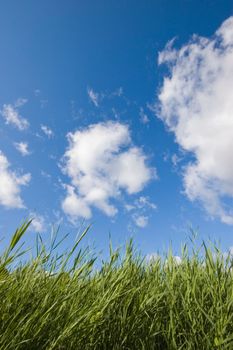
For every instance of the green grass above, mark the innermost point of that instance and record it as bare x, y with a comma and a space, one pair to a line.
64, 302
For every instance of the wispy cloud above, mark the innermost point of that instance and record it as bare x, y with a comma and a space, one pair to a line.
93, 96
140, 210
140, 220
97, 97
102, 162
20, 102
45, 174
11, 185
196, 105
12, 116
142, 203
143, 116
118, 92
37, 92
43, 103
22, 147
47, 131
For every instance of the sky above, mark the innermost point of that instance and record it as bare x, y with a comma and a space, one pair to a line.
117, 114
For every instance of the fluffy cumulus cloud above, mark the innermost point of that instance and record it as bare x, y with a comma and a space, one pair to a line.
22, 147
38, 222
102, 163
11, 185
11, 115
196, 104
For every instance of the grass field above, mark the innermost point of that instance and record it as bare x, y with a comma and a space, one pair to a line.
64, 302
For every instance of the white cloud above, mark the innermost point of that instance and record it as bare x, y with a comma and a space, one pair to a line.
102, 162
11, 185
20, 102
144, 203
37, 92
129, 207
144, 119
94, 96
177, 259
140, 210
47, 131
22, 147
175, 159
38, 222
43, 103
152, 258
97, 97
75, 206
45, 174
196, 104
141, 220
11, 114
118, 92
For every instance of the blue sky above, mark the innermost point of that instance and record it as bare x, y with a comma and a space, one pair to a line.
118, 114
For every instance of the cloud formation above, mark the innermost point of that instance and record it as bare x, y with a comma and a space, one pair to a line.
11, 185
93, 96
144, 119
22, 147
140, 209
102, 163
140, 220
47, 131
196, 104
38, 223
12, 116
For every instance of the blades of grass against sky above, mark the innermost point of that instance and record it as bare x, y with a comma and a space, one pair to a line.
6, 258
126, 304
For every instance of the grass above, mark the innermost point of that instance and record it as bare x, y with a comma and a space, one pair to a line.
63, 302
